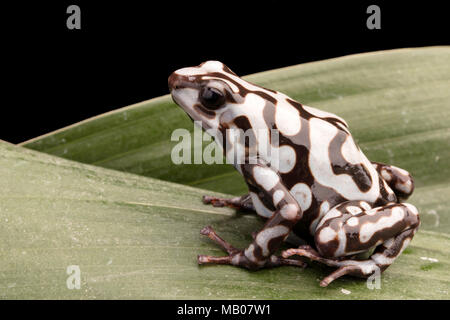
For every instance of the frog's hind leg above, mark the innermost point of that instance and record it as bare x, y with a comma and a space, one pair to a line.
240, 203
260, 253
353, 227
400, 180
234, 256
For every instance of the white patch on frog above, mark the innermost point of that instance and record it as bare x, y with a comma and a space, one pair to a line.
367, 266
389, 243
324, 208
263, 237
371, 212
253, 108
350, 152
365, 205
265, 177
212, 66
321, 134
235, 150
287, 118
342, 238
381, 259
354, 210
404, 187
401, 171
207, 67
260, 208
368, 229
353, 222
333, 213
386, 175
327, 234
289, 211
411, 208
386, 186
323, 114
235, 260
277, 196
283, 159
302, 193
250, 253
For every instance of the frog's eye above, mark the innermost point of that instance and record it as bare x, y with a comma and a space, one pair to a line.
211, 98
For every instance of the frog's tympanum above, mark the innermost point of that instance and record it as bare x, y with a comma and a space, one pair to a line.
320, 186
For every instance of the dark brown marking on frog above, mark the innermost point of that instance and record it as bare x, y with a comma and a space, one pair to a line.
275, 242
257, 252
243, 91
307, 115
243, 123
327, 249
385, 196
335, 122
358, 172
228, 70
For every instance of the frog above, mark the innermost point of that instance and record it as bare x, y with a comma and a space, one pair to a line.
320, 189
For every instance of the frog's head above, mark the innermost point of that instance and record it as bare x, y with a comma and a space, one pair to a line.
207, 93
216, 97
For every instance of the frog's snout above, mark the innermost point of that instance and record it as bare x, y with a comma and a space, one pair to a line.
173, 81
181, 81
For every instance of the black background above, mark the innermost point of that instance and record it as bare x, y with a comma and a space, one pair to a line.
125, 50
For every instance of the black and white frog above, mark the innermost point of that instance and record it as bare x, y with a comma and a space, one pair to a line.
320, 186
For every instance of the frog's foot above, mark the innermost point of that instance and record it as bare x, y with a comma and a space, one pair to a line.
240, 203
237, 257
346, 267
341, 229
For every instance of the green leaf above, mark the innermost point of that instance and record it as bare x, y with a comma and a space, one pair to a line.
137, 237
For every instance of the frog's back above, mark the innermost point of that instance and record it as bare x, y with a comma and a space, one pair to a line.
329, 167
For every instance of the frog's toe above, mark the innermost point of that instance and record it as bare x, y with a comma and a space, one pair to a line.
210, 233
240, 203
214, 201
303, 251
204, 259
353, 270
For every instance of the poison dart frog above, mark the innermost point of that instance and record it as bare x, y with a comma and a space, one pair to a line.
319, 185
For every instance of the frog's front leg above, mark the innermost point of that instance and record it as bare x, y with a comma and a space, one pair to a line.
287, 213
353, 227
240, 203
